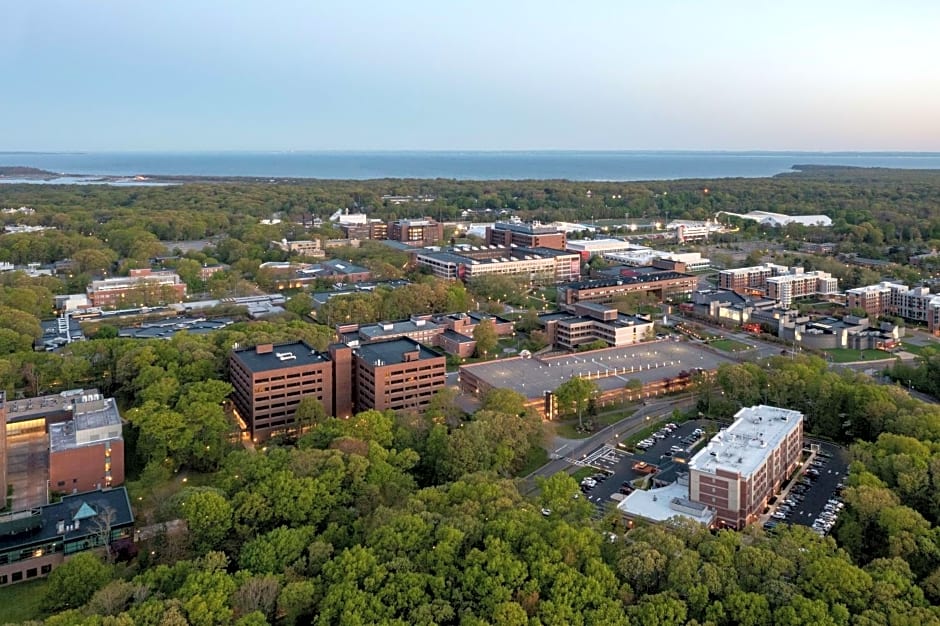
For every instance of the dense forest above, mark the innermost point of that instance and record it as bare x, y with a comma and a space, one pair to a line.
413, 520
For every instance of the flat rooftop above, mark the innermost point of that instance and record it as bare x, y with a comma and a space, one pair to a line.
390, 352
372, 332
303, 353
95, 414
56, 405
647, 362
659, 505
649, 277
742, 447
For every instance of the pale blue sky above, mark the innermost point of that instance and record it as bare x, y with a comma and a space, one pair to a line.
449, 74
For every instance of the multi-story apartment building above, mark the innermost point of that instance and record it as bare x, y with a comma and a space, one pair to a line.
661, 283
269, 382
746, 463
788, 287
399, 374
534, 264
750, 278
423, 232
533, 235
887, 298
141, 287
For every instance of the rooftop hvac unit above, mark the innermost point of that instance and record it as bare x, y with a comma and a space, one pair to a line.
285, 356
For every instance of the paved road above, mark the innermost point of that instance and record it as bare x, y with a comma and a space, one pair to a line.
582, 447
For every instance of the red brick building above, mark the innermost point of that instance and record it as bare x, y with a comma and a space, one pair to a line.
270, 380
141, 287
86, 452
423, 232
660, 283
399, 374
532, 235
744, 465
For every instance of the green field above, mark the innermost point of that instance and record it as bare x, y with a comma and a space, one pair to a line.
919, 350
729, 345
20, 602
845, 355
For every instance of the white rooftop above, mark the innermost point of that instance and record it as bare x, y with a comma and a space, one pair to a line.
742, 447
597, 245
659, 505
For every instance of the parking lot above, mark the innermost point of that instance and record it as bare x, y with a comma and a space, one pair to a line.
619, 463
811, 494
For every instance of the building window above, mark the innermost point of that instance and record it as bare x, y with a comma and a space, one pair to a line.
32, 572
17, 577
45, 569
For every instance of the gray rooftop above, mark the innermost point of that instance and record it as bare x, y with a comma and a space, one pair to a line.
392, 329
457, 337
744, 446
94, 419
532, 377
304, 354
41, 525
53, 406
390, 352
627, 280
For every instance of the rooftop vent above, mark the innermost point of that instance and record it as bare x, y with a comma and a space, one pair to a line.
285, 356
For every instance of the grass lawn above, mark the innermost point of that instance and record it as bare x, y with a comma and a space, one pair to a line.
583, 472
919, 350
20, 602
729, 345
846, 355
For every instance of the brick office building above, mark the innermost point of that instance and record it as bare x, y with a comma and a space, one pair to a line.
399, 374
746, 463
661, 283
532, 235
3, 443
423, 232
269, 382
141, 287
86, 452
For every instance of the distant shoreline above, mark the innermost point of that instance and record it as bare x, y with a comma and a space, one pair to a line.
308, 167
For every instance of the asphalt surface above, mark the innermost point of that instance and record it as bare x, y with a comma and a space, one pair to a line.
618, 462
821, 489
573, 453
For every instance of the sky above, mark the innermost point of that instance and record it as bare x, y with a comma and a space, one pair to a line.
470, 75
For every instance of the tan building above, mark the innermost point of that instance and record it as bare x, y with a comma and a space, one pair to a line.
744, 465
141, 287
887, 298
596, 322
749, 279
799, 284
398, 374
307, 247
469, 262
